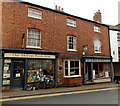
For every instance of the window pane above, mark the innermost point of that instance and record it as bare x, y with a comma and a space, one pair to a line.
34, 13
66, 72
72, 64
33, 37
76, 71
72, 72
76, 63
74, 68
66, 64
71, 42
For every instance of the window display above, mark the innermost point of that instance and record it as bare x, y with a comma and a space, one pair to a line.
6, 72
40, 70
101, 70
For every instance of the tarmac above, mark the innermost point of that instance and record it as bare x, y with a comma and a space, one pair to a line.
21, 93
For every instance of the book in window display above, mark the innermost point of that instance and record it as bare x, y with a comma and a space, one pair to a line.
6, 71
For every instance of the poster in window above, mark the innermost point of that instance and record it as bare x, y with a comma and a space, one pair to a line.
6, 75
17, 75
106, 74
93, 74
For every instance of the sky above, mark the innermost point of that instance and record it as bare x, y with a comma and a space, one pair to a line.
85, 8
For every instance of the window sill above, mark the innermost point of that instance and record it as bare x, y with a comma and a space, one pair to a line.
70, 50
97, 32
72, 76
33, 47
34, 17
71, 26
98, 52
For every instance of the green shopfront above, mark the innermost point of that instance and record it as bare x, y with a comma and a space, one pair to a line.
97, 69
23, 67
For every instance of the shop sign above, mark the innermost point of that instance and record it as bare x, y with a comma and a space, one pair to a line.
97, 60
20, 55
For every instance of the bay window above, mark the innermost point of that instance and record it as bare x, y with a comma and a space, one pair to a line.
72, 68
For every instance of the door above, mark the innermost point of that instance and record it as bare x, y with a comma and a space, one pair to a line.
88, 71
18, 74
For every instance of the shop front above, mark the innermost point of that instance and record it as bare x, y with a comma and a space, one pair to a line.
24, 67
97, 69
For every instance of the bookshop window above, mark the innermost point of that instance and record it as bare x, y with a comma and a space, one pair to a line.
6, 72
101, 70
40, 69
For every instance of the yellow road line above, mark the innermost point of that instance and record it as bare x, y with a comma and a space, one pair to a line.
57, 94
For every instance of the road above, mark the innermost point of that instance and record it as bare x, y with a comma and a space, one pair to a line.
98, 96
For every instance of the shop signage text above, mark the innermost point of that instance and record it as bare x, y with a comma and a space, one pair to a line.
97, 60
20, 55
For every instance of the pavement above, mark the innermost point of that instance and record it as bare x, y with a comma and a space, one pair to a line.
21, 93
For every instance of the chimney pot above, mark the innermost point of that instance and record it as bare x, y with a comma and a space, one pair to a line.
97, 16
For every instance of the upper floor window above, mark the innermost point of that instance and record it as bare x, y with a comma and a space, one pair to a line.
34, 13
71, 22
97, 46
71, 43
118, 37
96, 29
34, 38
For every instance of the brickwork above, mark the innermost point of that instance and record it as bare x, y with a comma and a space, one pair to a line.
54, 32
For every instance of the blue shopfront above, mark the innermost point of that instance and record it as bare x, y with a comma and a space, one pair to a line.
97, 69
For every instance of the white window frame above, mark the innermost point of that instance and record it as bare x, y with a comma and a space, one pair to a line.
34, 13
98, 46
69, 68
74, 43
28, 46
71, 22
96, 29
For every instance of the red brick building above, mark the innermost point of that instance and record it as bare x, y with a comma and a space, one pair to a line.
39, 42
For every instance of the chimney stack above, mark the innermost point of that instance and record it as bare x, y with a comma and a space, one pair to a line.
58, 8
97, 17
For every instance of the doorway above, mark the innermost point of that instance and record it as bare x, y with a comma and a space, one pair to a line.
88, 72
18, 74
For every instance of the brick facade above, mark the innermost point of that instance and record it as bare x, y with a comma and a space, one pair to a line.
54, 32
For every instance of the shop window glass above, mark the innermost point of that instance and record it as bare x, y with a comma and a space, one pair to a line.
72, 68
66, 68
6, 72
40, 69
101, 70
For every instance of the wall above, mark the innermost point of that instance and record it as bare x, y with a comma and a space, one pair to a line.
114, 45
54, 32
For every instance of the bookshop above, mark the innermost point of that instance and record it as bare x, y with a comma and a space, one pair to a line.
24, 67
